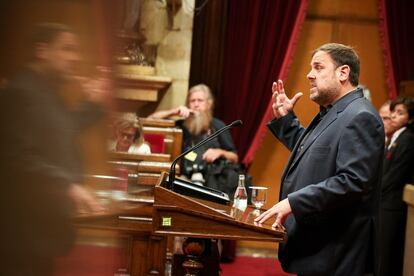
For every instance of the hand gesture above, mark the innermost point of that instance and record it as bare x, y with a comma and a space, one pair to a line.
280, 211
282, 105
84, 200
96, 89
183, 111
212, 155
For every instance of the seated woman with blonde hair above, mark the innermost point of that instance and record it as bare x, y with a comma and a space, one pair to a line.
128, 136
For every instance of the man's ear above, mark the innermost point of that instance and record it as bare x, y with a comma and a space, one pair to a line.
343, 72
41, 50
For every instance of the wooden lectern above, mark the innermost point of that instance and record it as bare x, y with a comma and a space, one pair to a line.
184, 215
172, 214
176, 214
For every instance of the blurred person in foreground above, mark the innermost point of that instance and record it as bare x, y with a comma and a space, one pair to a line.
128, 135
40, 156
330, 189
385, 114
397, 172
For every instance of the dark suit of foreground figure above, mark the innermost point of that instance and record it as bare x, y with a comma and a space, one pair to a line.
330, 187
40, 161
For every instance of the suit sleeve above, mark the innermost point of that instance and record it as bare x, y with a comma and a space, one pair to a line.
360, 151
21, 157
287, 129
87, 113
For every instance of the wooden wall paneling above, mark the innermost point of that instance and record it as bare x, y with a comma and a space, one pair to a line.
407, 88
151, 249
349, 9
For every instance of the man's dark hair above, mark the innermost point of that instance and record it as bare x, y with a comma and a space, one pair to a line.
343, 55
47, 32
408, 104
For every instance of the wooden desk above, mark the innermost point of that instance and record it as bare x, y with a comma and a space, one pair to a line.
123, 156
132, 222
409, 232
176, 214
146, 222
143, 169
157, 122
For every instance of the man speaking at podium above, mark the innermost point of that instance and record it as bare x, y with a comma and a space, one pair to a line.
330, 186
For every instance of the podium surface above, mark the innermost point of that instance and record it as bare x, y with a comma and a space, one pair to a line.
182, 215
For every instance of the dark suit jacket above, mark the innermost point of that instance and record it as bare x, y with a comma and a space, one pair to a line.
397, 170
333, 189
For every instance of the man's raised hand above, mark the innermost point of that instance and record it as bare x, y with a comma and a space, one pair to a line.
282, 105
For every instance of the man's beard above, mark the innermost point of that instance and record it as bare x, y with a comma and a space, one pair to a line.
325, 96
198, 123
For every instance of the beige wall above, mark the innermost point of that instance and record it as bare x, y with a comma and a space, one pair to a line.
174, 47
350, 22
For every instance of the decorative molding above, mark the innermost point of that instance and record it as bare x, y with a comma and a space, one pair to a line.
141, 88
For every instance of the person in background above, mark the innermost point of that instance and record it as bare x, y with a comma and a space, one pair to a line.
330, 188
211, 159
397, 172
40, 163
128, 135
199, 123
385, 114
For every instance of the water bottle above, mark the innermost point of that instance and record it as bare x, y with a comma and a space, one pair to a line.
168, 264
240, 196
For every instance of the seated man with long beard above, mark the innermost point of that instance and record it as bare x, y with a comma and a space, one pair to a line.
217, 160
199, 123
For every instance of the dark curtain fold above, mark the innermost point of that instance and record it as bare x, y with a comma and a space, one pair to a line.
396, 25
207, 51
260, 41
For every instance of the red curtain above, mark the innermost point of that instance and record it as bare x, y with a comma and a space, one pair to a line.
396, 24
261, 38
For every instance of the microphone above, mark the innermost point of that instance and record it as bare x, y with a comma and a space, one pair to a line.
171, 176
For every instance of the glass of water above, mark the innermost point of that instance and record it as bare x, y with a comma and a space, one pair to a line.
259, 195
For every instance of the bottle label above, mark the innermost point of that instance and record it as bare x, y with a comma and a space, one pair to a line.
240, 197
242, 205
